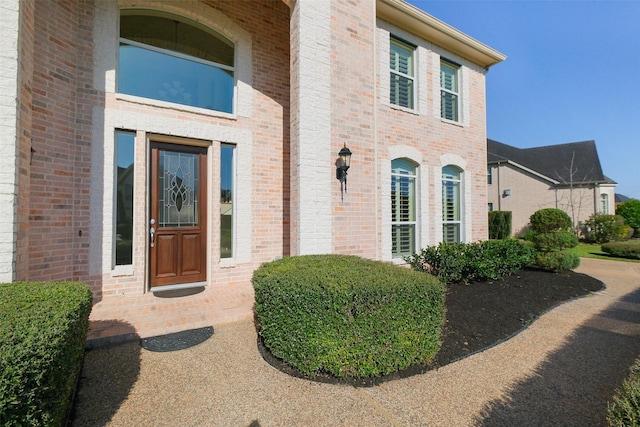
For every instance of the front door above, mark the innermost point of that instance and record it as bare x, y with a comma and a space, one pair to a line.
177, 225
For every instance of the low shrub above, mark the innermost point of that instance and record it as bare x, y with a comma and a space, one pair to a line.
627, 249
555, 241
557, 261
499, 224
601, 228
346, 316
550, 219
465, 262
624, 410
43, 327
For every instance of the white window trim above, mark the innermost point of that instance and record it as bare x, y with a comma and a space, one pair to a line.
457, 94
107, 36
396, 40
420, 55
466, 229
463, 87
422, 200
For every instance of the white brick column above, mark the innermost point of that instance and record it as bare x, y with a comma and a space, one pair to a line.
9, 65
311, 157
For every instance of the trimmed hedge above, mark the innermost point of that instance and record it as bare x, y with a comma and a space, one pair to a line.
465, 262
628, 249
346, 316
624, 410
43, 328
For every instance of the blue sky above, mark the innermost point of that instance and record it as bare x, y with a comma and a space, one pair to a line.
572, 74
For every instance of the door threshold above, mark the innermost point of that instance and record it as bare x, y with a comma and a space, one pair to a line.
178, 287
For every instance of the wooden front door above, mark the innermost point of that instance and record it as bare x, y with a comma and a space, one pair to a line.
177, 224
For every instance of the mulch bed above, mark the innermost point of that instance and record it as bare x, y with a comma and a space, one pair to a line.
482, 314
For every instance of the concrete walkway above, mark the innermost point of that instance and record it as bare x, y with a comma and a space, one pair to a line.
562, 370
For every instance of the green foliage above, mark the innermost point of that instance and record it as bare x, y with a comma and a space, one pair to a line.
628, 249
465, 262
624, 410
347, 316
601, 228
557, 261
499, 224
555, 241
43, 327
549, 220
630, 211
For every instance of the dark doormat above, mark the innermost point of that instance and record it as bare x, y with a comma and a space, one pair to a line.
177, 293
177, 340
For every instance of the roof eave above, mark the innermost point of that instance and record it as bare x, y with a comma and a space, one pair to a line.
423, 25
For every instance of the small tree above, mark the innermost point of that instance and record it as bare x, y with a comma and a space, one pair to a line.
551, 236
630, 211
499, 225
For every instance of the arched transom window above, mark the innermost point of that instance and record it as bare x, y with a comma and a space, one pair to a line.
170, 58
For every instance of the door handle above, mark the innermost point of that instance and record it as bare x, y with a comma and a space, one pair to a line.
152, 232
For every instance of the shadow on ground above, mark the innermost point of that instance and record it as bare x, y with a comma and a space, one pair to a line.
575, 383
108, 375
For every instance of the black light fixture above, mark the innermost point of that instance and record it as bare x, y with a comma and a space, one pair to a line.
342, 166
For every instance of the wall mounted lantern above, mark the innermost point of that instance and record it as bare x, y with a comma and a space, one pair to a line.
342, 166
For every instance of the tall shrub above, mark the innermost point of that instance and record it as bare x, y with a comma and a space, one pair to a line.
551, 237
630, 211
499, 225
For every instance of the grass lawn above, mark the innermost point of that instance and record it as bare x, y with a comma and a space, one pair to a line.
593, 250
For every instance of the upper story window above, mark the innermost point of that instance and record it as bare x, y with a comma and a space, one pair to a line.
449, 91
489, 175
401, 62
169, 58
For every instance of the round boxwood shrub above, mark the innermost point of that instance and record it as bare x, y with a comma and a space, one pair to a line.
557, 261
549, 220
346, 316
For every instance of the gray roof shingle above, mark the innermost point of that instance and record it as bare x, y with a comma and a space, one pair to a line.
554, 161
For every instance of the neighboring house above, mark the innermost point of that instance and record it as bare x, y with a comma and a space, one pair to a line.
152, 146
620, 199
564, 176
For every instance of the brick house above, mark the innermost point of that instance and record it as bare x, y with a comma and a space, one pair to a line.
564, 176
155, 148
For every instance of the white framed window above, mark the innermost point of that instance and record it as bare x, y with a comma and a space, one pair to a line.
123, 203
604, 203
490, 207
403, 208
451, 204
227, 185
169, 58
402, 74
449, 90
489, 175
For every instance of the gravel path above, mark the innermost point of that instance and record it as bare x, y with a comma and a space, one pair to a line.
561, 370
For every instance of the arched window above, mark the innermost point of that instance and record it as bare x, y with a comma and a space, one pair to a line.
451, 204
172, 59
403, 208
